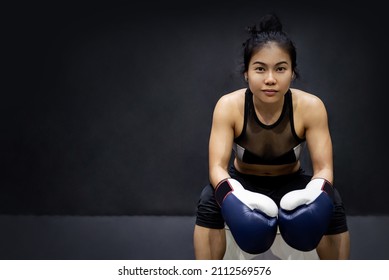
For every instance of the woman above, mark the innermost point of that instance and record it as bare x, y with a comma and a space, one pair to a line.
267, 125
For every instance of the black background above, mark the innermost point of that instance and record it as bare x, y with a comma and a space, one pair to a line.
106, 107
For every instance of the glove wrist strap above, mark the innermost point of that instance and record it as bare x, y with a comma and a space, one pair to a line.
222, 190
326, 187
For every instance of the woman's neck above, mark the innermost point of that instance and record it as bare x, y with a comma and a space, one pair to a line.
268, 113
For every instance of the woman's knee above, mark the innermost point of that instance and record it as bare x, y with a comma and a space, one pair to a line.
209, 243
334, 246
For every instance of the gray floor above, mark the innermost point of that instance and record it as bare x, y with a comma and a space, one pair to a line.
141, 237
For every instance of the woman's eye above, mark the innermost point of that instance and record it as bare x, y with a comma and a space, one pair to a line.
281, 69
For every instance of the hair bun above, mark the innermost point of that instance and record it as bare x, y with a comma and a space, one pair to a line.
269, 23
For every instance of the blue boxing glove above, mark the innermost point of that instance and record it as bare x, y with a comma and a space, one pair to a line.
305, 214
251, 217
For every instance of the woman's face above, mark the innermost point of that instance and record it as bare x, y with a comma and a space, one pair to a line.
269, 73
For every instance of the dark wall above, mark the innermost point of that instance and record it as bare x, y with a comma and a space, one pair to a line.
106, 108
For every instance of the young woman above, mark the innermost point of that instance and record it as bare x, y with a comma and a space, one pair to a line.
267, 125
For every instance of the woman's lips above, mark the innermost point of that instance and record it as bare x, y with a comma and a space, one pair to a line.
269, 92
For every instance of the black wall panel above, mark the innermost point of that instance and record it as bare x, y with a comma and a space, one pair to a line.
106, 107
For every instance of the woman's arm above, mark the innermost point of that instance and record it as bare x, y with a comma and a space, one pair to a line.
318, 139
221, 140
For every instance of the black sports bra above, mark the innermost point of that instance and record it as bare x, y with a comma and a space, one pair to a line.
274, 144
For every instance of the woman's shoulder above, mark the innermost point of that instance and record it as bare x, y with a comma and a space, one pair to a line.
234, 95
233, 99
305, 99
308, 107
230, 105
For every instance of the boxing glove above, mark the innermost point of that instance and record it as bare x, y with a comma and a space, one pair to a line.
251, 217
304, 215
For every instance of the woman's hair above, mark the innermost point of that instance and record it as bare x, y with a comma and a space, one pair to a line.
269, 30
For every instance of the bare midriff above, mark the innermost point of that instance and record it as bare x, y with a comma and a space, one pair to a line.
266, 170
